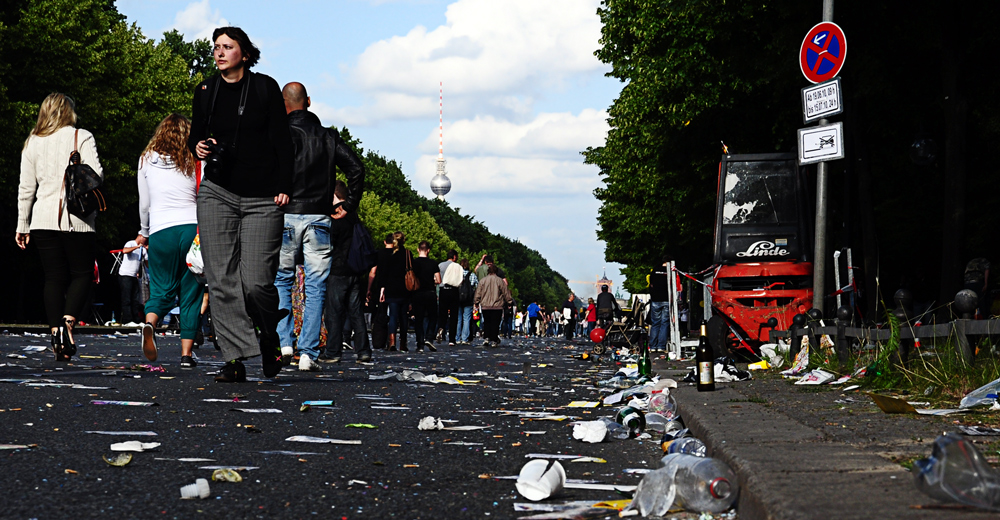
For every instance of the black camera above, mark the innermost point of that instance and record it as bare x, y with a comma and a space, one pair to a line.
219, 156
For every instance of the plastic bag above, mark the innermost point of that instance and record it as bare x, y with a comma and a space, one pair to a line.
957, 472
984, 395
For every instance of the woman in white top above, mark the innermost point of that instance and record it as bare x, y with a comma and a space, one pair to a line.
168, 186
65, 243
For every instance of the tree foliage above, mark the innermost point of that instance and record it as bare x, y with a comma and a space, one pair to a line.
697, 72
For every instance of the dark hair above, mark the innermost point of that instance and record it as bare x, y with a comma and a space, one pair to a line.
464, 263
492, 269
488, 259
424, 245
249, 50
452, 254
340, 190
388, 238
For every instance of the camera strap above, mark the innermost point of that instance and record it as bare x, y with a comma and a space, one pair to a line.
243, 104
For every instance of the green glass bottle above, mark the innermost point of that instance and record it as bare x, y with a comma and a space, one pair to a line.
645, 364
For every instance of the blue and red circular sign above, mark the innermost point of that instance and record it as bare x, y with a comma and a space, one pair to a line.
823, 51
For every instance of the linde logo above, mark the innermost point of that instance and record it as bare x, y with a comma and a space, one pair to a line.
763, 248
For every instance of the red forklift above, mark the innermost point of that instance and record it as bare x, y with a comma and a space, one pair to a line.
763, 244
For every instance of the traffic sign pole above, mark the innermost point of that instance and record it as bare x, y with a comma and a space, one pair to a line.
819, 249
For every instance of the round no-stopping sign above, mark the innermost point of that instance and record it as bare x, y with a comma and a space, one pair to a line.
823, 51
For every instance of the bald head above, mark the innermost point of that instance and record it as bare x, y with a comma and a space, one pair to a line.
295, 97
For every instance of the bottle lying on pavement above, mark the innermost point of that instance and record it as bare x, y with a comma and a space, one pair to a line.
686, 445
957, 472
697, 484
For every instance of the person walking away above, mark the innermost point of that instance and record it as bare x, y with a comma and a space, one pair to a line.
465, 305
533, 311
168, 179
591, 316
379, 309
569, 315
483, 265
240, 127
451, 279
659, 306
128, 281
491, 296
607, 306
392, 270
424, 300
343, 286
65, 242
318, 152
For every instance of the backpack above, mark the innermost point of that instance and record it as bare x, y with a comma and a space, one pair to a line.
465, 293
361, 257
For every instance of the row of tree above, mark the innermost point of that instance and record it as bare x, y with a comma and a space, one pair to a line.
919, 114
124, 83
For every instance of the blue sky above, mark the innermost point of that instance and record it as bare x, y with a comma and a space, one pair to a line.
523, 93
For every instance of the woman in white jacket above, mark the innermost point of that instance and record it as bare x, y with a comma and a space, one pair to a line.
168, 185
65, 243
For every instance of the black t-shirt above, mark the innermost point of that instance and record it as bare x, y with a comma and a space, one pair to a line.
425, 268
381, 257
391, 271
341, 237
659, 286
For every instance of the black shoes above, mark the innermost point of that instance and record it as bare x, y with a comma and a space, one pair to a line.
188, 362
270, 348
430, 346
232, 372
68, 345
365, 358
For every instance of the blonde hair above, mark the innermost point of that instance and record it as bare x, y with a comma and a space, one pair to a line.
170, 139
56, 111
398, 239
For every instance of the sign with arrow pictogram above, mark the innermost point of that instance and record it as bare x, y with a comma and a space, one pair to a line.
823, 51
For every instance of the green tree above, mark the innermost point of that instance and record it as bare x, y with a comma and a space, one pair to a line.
196, 54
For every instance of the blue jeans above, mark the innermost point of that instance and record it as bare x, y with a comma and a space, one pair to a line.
306, 241
464, 320
659, 325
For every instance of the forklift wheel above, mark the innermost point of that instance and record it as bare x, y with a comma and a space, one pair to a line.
719, 336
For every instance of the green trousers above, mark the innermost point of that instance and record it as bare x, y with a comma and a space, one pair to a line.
170, 279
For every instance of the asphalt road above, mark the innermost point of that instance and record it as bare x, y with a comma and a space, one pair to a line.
397, 471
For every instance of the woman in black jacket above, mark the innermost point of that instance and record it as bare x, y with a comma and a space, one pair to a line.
241, 130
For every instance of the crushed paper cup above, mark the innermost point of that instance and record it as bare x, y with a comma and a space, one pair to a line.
540, 479
590, 431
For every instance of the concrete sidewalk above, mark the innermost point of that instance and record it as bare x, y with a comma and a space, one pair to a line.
791, 471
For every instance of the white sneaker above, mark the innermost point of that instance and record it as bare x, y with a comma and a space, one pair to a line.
148, 341
308, 365
286, 355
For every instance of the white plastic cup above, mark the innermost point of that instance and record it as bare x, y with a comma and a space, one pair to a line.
538, 480
199, 489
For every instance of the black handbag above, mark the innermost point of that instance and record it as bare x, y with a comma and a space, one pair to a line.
83, 199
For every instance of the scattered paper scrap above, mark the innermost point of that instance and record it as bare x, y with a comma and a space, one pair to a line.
361, 425
137, 434
17, 446
257, 410
320, 440
979, 430
584, 404
134, 446
226, 475
124, 403
817, 376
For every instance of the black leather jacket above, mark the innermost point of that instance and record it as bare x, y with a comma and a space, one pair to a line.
318, 153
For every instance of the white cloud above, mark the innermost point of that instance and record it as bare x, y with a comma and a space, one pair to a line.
490, 55
498, 177
549, 135
198, 20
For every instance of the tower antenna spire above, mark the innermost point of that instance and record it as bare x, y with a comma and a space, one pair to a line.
440, 183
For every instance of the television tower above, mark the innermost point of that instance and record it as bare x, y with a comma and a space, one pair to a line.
440, 184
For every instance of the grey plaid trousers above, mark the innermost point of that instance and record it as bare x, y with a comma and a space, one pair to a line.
240, 241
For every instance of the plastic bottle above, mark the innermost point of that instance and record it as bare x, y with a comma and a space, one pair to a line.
703, 484
663, 403
616, 430
685, 445
957, 472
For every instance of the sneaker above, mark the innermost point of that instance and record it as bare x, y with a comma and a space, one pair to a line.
232, 372
365, 358
347, 346
327, 358
451, 344
286, 355
188, 362
431, 346
308, 365
148, 341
